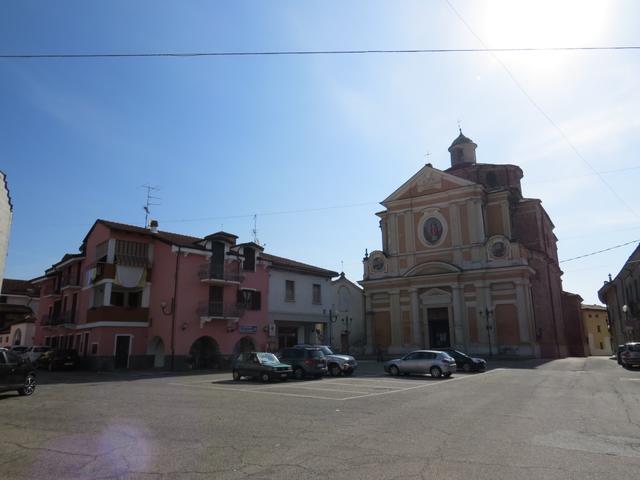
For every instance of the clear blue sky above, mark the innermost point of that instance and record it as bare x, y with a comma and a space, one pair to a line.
224, 137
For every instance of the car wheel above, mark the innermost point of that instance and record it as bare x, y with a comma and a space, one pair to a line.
395, 371
298, 373
447, 375
348, 373
466, 367
435, 372
29, 386
265, 377
236, 375
334, 370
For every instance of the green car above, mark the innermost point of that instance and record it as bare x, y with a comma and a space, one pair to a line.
262, 365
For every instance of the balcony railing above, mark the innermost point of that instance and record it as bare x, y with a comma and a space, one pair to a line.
218, 310
217, 273
59, 319
117, 314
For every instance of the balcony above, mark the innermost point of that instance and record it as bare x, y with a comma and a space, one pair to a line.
69, 283
103, 271
218, 275
59, 319
218, 310
117, 314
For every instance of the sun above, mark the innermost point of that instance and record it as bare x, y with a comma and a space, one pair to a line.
544, 23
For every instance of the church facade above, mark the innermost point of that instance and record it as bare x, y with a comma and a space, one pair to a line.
467, 262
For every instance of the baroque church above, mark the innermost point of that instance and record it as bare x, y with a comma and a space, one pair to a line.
468, 262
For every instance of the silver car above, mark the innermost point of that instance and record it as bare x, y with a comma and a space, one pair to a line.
630, 355
422, 361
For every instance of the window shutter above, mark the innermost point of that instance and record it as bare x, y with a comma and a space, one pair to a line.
255, 301
240, 297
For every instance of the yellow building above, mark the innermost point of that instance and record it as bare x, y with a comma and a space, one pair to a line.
594, 318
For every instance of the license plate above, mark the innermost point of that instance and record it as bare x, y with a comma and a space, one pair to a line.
283, 375
68, 364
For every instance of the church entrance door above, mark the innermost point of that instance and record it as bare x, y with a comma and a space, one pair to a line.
439, 335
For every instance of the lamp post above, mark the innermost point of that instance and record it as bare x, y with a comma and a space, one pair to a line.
487, 312
625, 309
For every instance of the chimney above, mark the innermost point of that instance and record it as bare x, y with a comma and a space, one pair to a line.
153, 226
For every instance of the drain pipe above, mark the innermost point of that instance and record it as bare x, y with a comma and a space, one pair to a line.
173, 310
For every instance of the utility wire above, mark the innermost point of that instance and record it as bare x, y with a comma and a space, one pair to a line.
599, 251
542, 112
314, 52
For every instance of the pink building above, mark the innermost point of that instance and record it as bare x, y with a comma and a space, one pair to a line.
142, 298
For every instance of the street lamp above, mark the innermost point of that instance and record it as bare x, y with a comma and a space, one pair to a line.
487, 314
625, 309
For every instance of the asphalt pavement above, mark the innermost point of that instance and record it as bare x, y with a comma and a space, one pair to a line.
572, 418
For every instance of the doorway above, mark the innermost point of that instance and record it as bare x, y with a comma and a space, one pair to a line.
123, 345
287, 337
439, 335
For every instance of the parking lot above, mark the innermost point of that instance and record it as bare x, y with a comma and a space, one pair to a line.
565, 419
339, 389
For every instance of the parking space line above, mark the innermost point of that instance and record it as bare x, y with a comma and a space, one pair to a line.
361, 385
630, 379
295, 385
254, 391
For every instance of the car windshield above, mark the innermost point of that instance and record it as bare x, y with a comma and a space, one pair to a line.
634, 347
316, 353
326, 350
456, 353
267, 358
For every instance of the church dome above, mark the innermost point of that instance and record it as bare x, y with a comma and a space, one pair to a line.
463, 151
460, 140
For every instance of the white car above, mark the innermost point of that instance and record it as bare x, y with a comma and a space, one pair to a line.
33, 353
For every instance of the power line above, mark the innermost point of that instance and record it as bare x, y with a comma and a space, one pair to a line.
543, 113
35, 56
599, 251
265, 214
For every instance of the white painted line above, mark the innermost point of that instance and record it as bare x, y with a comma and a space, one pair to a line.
448, 380
630, 379
255, 391
362, 385
293, 386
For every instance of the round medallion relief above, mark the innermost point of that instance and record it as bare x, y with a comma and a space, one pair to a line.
377, 264
432, 230
498, 249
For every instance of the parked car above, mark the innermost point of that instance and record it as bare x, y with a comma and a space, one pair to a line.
58, 359
337, 363
33, 353
262, 365
464, 361
630, 355
433, 362
16, 374
305, 361
19, 349
619, 350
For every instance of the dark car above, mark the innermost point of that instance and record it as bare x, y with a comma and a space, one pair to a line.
262, 365
58, 360
630, 355
619, 351
464, 361
16, 374
305, 361
337, 363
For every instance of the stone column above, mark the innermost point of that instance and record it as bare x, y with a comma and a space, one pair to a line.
460, 337
396, 322
368, 316
416, 336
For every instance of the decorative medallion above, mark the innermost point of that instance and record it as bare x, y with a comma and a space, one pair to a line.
432, 230
377, 264
498, 249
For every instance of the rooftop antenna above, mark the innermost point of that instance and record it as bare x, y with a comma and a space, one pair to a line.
254, 231
149, 203
342, 266
459, 127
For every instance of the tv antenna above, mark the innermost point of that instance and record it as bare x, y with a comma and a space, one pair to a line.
149, 203
254, 231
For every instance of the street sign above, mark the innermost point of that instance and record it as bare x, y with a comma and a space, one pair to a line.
248, 328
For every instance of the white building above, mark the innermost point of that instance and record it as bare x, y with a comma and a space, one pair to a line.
347, 329
300, 300
6, 213
18, 304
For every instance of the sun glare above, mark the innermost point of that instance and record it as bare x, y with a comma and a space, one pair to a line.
544, 23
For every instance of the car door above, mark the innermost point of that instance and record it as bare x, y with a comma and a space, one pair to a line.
410, 363
428, 360
4, 373
13, 374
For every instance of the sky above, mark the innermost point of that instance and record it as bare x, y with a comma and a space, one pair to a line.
312, 144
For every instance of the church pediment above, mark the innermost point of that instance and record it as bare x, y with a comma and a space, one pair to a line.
432, 268
427, 181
